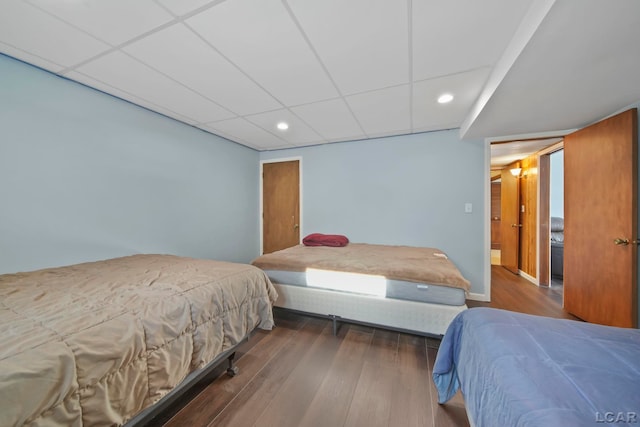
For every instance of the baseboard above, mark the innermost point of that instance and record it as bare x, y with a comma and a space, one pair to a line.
478, 297
529, 278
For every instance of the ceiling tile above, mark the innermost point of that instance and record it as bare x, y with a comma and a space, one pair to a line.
428, 114
383, 111
181, 7
114, 21
268, 46
475, 34
363, 43
331, 119
119, 70
40, 35
297, 134
103, 87
177, 52
29, 58
245, 132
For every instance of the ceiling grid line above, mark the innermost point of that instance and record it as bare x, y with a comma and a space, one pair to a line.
410, 63
321, 63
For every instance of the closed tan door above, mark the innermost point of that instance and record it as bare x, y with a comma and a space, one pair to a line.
600, 199
281, 205
510, 221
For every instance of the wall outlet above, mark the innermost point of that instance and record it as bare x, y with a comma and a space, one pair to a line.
468, 208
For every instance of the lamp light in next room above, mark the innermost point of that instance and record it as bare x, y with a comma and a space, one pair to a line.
515, 171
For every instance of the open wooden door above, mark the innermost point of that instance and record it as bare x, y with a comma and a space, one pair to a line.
280, 205
600, 246
510, 221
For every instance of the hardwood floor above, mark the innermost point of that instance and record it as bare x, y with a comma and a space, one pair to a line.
512, 292
299, 374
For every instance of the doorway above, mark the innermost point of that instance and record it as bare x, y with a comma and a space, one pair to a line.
556, 219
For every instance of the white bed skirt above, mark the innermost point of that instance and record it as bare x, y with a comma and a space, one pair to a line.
420, 317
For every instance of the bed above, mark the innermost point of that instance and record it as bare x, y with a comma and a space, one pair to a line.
412, 289
100, 343
521, 370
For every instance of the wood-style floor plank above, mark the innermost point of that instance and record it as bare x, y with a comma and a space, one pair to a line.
245, 409
299, 374
412, 394
332, 401
297, 391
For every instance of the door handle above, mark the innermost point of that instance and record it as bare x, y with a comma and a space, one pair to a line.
295, 226
621, 242
516, 225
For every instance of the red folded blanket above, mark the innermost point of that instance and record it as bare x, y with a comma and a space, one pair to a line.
318, 239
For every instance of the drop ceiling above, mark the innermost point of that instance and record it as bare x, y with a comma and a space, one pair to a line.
339, 70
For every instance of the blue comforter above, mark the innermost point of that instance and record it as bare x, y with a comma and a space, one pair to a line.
521, 370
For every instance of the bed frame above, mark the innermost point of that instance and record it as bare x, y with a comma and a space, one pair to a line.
407, 316
150, 415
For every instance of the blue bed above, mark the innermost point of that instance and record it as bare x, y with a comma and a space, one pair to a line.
520, 370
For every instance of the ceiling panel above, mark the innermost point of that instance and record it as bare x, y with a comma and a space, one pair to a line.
103, 87
240, 129
391, 114
363, 43
179, 53
38, 34
428, 114
29, 58
474, 34
268, 46
114, 21
332, 119
181, 7
119, 70
297, 134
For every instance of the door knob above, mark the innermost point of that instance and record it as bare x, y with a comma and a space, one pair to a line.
621, 242
516, 225
295, 226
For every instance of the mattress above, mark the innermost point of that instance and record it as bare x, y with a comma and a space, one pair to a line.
96, 343
371, 285
521, 370
404, 263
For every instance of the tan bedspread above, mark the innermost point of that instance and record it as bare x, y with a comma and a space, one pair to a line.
95, 343
413, 264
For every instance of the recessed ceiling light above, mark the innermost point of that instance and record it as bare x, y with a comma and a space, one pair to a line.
282, 126
444, 98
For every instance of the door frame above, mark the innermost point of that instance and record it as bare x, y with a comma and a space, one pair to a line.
544, 182
261, 188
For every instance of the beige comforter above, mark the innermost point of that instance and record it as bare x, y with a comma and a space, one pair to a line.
413, 264
95, 343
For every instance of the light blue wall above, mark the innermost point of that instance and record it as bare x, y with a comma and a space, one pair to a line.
86, 176
405, 190
557, 184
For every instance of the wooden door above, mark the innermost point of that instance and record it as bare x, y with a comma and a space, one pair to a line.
495, 215
510, 221
544, 210
600, 199
281, 205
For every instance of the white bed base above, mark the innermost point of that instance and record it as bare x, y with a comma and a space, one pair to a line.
416, 317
